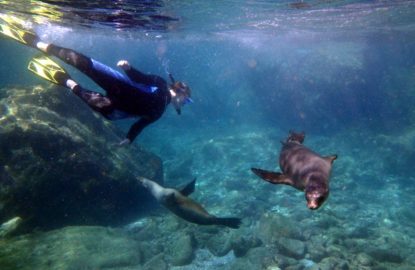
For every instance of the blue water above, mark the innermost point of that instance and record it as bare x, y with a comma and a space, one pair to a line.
342, 71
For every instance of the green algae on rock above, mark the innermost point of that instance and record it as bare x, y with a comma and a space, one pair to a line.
59, 165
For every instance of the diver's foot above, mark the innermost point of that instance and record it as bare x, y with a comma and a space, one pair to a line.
42, 46
30, 39
71, 84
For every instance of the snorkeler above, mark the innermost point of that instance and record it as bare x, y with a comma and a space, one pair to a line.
132, 95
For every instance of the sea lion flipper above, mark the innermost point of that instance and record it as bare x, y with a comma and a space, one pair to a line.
331, 158
273, 177
189, 188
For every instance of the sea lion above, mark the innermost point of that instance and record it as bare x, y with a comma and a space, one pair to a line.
183, 206
303, 169
9, 226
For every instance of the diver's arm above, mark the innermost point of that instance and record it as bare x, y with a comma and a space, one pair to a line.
137, 75
137, 127
140, 77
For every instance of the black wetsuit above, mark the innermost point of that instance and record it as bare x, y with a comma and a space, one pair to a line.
134, 95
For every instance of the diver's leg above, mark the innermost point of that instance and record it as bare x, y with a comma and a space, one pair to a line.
71, 57
109, 79
95, 100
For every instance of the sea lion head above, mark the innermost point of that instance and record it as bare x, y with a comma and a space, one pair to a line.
316, 195
295, 137
143, 181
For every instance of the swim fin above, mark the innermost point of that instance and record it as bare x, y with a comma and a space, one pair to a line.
47, 69
14, 28
13, 20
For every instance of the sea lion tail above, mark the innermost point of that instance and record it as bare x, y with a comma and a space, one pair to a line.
229, 222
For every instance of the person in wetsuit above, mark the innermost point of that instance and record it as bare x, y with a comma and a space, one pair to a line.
132, 95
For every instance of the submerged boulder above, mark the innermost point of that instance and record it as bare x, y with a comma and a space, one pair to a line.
59, 164
73, 247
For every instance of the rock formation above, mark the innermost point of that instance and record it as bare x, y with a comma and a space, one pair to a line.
59, 163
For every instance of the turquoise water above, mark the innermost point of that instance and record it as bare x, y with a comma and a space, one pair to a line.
342, 71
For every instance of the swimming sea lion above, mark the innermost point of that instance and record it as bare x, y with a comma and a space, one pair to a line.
303, 169
10, 226
184, 207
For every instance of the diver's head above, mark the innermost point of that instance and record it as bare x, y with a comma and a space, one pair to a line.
180, 95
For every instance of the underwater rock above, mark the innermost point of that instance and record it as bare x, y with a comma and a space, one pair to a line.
308, 264
315, 250
326, 222
284, 261
241, 264
273, 267
333, 263
260, 257
71, 248
150, 249
386, 255
292, 247
59, 165
157, 262
274, 226
220, 244
255, 258
181, 249
206, 260
242, 244
240, 241
364, 259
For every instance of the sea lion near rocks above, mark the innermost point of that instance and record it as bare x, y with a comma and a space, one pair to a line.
183, 206
9, 226
303, 169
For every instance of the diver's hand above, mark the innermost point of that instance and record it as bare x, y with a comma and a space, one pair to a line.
124, 65
124, 142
